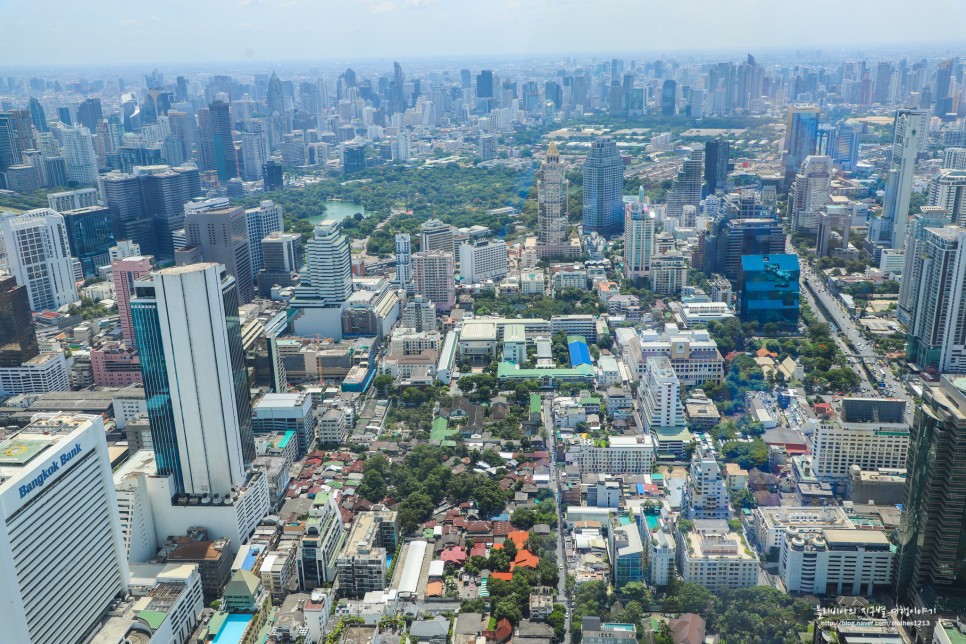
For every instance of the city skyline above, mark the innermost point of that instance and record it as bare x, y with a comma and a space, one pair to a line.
176, 31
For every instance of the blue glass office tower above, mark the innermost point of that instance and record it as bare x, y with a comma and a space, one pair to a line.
188, 331
770, 289
603, 188
90, 234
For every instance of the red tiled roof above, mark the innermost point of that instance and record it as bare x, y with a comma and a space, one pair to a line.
454, 554
525, 559
502, 528
519, 538
505, 576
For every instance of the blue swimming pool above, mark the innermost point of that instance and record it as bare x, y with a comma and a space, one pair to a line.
232, 629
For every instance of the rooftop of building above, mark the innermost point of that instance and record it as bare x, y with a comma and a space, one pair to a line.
479, 330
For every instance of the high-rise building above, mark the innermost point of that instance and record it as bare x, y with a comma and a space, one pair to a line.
603, 186
769, 288
354, 158
552, 218
38, 256
686, 190
869, 432
18, 337
281, 260
640, 225
221, 235
37, 115
937, 300
909, 129
125, 272
272, 175
419, 314
716, 154
72, 200
801, 138
328, 264
435, 235
736, 237
262, 221
669, 98
482, 260
404, 261
669, 272
433, 273
62, 548
90, 113
90, 234
218, 132
809, 192
931, 536
326, 283
78, 144
948, 191
193, 368
15, 137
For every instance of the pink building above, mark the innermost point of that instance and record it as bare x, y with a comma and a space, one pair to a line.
115, 365
125, 272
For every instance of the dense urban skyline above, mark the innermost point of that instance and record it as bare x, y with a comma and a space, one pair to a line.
180, 31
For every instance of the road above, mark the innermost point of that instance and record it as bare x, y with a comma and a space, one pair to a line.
850, 339
562, 597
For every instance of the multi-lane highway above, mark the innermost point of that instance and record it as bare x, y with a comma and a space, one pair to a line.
861, 351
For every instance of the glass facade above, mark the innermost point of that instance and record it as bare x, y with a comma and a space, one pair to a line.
239, 373
18, 338
770, 289
932, 534
157, 388
90, 233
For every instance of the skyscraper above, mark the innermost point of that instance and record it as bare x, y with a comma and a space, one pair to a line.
686, 190
552, 219
281, 257
125, 272
909, 128
62, 550
809, 192
37, 115
90, 234
801, 138
640, 224
716, 153
38, 256
931, 536
435, 235
219, 133
669, 98
274, 97
603, 188
434, 272
328, 265
948, 191
193, 369
78, 144
18, 337
404, 261
937, 302
221, 234
262, 221
89, 113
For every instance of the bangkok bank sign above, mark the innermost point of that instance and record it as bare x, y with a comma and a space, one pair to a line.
44, 474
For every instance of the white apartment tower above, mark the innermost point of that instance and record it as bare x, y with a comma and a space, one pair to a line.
79, 155
661, 396
552, 219
328, 263
948, 191
910, 128
38, 255
435, 235
706, 491
434, 271
809, 192
639, 228
61, 548
483, 260
404, 261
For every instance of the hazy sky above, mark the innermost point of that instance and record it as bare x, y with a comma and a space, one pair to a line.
67, 32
